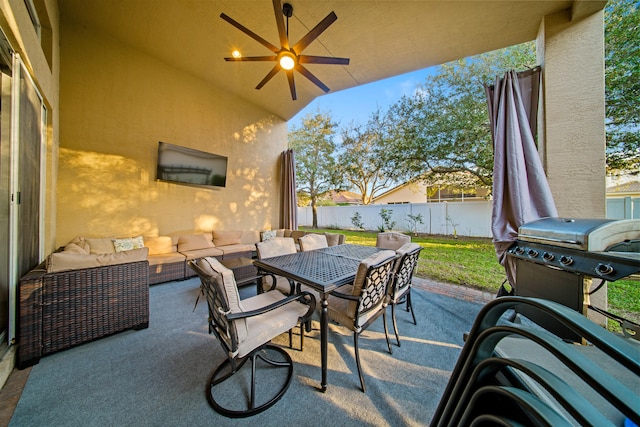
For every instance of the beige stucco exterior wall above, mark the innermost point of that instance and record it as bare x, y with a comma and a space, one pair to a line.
116, 104
572, 137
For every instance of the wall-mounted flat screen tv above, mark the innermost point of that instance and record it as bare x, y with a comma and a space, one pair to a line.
188, 166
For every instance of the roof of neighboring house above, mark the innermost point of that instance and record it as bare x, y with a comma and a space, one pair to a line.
345, 197
627, 187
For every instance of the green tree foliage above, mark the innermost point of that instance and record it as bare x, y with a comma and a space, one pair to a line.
314, 147
622, 84
444, 126
364, 157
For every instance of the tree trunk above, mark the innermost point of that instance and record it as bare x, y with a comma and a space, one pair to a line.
314, 211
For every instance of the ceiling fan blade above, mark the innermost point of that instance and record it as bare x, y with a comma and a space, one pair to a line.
250, 33
292, 85
315, 32
282, 31
252, 58
313, 78
309, 59
269, 76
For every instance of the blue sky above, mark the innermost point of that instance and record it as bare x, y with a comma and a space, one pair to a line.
356, 104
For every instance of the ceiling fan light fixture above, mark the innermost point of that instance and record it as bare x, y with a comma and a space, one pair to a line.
287, 60
236, 54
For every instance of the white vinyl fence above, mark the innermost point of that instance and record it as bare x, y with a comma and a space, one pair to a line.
462, 218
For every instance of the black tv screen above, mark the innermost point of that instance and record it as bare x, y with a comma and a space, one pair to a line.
188, 166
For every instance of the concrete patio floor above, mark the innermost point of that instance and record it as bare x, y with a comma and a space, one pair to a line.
12, 390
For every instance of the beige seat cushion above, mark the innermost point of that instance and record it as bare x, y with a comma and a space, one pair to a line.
192, 242
161, 244
158, 259
267, 326
61, 261
244, 248
310, 242
344, 311
202, 253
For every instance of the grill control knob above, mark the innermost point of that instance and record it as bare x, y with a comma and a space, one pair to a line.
519, 250
532, 253
547, 256
566, 260
604, 269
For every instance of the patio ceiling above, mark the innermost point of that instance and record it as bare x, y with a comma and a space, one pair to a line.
382, 38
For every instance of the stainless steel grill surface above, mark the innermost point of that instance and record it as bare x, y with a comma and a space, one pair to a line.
556, 259
608, 249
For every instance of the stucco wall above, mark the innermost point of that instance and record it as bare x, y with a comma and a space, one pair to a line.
116, 104
573, 138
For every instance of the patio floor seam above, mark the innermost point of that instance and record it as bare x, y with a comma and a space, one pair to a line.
454, 291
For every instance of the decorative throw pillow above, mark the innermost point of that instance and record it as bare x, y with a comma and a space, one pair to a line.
137, 242
268, 235
121, 245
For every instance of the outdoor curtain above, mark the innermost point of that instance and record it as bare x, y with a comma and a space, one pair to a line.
521, 193
289, 207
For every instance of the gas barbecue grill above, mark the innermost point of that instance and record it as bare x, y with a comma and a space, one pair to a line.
557, 258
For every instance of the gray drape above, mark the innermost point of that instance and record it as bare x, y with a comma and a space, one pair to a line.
521, 193
289, 206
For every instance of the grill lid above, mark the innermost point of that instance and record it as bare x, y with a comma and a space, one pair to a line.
587, 234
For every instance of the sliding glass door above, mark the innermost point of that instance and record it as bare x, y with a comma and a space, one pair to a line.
22, 124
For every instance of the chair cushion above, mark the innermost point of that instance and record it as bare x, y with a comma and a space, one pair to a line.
210, 265
312, 241
361, 277
333, 239
404, 272
339, 308
265, 327
391, 240
275, 247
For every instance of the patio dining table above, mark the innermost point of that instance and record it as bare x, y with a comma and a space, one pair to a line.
323, 270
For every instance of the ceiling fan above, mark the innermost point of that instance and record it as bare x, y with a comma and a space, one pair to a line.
288, 57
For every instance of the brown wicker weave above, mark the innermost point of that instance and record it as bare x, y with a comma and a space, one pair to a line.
63, 309
161, 273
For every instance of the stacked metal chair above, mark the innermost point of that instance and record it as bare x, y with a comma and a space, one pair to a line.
550, 382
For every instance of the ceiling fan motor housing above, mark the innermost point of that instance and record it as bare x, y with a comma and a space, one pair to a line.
287, 9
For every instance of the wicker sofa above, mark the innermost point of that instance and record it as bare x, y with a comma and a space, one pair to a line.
58, 310
95, 287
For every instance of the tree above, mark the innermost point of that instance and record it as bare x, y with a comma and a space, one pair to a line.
315, 163
622, 84
364, 157
444, 126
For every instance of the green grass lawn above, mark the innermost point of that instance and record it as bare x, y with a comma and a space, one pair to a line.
472, 262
